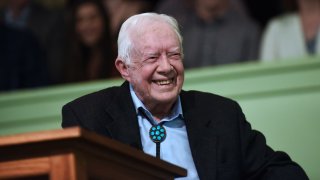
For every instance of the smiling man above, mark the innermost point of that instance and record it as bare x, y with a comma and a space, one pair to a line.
154, 65
205, 133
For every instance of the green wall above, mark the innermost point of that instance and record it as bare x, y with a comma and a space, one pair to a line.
280, 99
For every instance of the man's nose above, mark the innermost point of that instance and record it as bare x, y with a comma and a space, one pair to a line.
164, 64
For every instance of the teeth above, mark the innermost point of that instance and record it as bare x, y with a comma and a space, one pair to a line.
164, 82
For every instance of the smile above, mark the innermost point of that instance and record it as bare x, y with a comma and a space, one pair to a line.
164, 82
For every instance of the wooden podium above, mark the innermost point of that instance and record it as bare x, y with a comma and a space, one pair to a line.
77, 154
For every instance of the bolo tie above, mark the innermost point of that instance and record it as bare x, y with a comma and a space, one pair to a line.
157, 133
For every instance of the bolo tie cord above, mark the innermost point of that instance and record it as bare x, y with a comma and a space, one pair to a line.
157, 133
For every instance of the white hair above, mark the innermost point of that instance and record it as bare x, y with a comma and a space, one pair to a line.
135, 24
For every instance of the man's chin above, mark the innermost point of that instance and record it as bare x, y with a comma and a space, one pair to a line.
167, 98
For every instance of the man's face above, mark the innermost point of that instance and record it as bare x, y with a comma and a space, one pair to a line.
156, 70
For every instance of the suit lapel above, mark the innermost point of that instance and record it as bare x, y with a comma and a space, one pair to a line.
202, 139
124, 125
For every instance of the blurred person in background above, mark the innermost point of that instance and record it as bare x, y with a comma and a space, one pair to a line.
120, 10
295, 34
45, 24
91, 51
214, 31
21, 64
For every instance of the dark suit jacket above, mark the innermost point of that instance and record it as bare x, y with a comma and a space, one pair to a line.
222, 142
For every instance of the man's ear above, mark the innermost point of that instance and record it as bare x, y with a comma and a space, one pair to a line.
122, 68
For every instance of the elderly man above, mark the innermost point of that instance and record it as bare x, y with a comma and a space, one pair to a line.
204, 133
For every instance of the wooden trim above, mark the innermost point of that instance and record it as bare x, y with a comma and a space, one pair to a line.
24, 168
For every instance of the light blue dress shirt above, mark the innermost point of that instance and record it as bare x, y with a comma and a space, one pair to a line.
175, 148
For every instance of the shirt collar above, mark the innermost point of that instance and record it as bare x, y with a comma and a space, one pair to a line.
176, 111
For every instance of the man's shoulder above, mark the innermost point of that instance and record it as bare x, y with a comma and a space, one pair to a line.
206, 98
95, 98
204, 104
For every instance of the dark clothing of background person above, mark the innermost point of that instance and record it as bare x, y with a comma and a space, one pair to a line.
22, 62
47, 26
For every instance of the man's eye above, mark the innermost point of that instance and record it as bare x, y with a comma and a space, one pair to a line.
151, 59
174, 55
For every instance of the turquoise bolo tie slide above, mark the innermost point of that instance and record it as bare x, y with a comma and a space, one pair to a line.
157, 134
